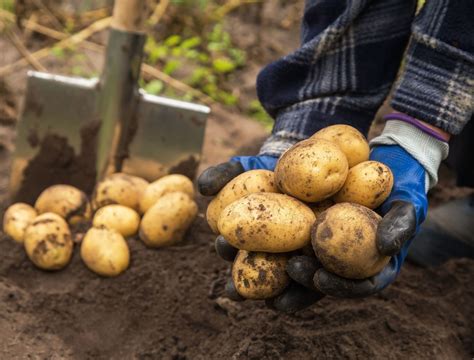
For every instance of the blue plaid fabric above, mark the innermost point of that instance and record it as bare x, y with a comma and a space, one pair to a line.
349, 58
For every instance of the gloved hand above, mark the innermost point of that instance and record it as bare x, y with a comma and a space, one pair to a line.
210, 182
403, 212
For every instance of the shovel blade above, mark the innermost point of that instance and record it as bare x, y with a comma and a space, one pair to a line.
55, 135
169, 136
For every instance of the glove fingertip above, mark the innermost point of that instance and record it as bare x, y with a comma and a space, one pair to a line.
224, 249
231, 291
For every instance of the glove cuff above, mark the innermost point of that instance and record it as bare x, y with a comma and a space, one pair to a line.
426, 149
278, 143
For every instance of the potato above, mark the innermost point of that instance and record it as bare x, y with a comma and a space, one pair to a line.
48, 242
343, 238
166, 222
368, 183
119, 218
119, 188
259, 275
164, 185
246, 183
266, 222
311, 170
16, 219
351, 141
105, 251
65, 200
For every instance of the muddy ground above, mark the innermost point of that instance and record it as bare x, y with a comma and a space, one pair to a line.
169, 304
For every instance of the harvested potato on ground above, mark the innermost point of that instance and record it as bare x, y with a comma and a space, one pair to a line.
119, 188
117, 217
312, 170
368, 183
48, 242
166, 222
321, 206
105, 252
249, 182
266, 222
351, 141
165, 185
16, 219
67, 201
343, 238
258, 275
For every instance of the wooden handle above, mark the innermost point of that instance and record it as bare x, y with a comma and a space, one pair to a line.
129, 15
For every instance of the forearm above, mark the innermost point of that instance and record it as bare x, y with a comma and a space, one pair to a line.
342, 72
437, 82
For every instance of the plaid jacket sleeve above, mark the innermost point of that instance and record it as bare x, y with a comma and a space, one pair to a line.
349, 57
437, 82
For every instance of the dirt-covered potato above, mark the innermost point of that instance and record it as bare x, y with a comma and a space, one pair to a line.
105, 251
368, 183
65, 200
48, 242
166, 222
16, 219
249, 182
259, 275
351, 141
266, 222
117, 217
312, 170
119, 188
165, 185
343, 238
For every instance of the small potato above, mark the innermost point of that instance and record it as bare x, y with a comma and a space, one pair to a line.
105, 252
266, 222
249, 182
312, 170
67, 201
368, 183
48, 242
165, 185
351, 141
119, 218
166, 222
119, 188
343, 238
16, 219
258, 275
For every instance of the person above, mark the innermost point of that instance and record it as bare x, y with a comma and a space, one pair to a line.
348, 61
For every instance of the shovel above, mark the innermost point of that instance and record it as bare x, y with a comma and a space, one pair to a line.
75, 130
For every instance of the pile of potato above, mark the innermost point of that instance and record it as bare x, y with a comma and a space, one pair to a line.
321, 193
121, 206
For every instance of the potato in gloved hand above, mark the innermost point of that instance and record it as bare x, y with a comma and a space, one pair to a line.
249, 182
267, 222
351, 141
258, 275
344, 240
312, 170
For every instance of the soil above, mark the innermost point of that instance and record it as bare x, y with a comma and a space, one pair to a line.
170, 304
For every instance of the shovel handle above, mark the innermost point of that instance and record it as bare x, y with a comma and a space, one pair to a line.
129, 15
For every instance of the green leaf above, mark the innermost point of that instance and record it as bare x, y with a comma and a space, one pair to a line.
172, 40
223, 65
191, 43
171, 66
154, 87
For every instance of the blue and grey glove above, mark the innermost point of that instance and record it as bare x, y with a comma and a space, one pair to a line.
414, 158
